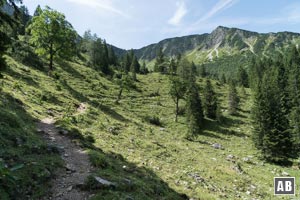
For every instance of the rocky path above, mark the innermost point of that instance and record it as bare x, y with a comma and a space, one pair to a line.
67, 181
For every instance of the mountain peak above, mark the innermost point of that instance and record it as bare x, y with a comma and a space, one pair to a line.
221, 28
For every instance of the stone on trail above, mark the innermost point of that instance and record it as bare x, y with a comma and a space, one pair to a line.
230, 157
217, 146
285, 173
104, 182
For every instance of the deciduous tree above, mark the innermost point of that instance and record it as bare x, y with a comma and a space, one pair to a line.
52, 35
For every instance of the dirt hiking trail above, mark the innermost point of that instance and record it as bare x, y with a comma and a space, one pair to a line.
66, 183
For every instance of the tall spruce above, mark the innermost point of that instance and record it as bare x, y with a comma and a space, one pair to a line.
126, 63
185, 71
233, 99
293, 66
134, 67
104, 58
112, 58
143, 69
271, 125
210, 101
96, 52
202, 71
243, 77
194, 112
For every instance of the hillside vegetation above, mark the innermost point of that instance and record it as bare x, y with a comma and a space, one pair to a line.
236, 125
158, 160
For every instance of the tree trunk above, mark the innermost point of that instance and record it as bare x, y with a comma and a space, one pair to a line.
51, 58
51, 62
177, 109
119, 95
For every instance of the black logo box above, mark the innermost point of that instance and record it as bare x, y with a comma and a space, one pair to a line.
283, 183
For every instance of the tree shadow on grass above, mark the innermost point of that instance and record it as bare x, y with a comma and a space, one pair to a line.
81, 98
107, 110
24, 77
129, 180
132, 181
68, 68
222, 128
76, 95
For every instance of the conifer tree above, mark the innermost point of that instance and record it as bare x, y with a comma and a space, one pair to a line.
126, 63
233, 99
210, 102
185, 71
104, 59
243, 77
112, 56
194, 110
37, 11
271, 126
96, 52
202, 71
193, 69
143, 69
131, 55
219, 115
223, 79
134, 67
293, 90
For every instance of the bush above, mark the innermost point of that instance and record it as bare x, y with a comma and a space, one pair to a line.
181, 111
89, 138
155, 120
48, 97
154, 94
98, 160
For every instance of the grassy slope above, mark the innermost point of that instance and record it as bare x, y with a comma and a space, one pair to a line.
159, 163
20, 145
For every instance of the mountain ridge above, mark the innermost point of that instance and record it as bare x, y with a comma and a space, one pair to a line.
227, 37
221, 41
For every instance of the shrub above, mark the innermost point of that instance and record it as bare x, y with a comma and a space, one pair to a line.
154, 94
98, 160
181, 110
155, 120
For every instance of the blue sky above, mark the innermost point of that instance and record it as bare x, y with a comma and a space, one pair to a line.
137, 23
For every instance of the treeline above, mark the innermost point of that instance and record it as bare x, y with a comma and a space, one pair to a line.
275, 83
